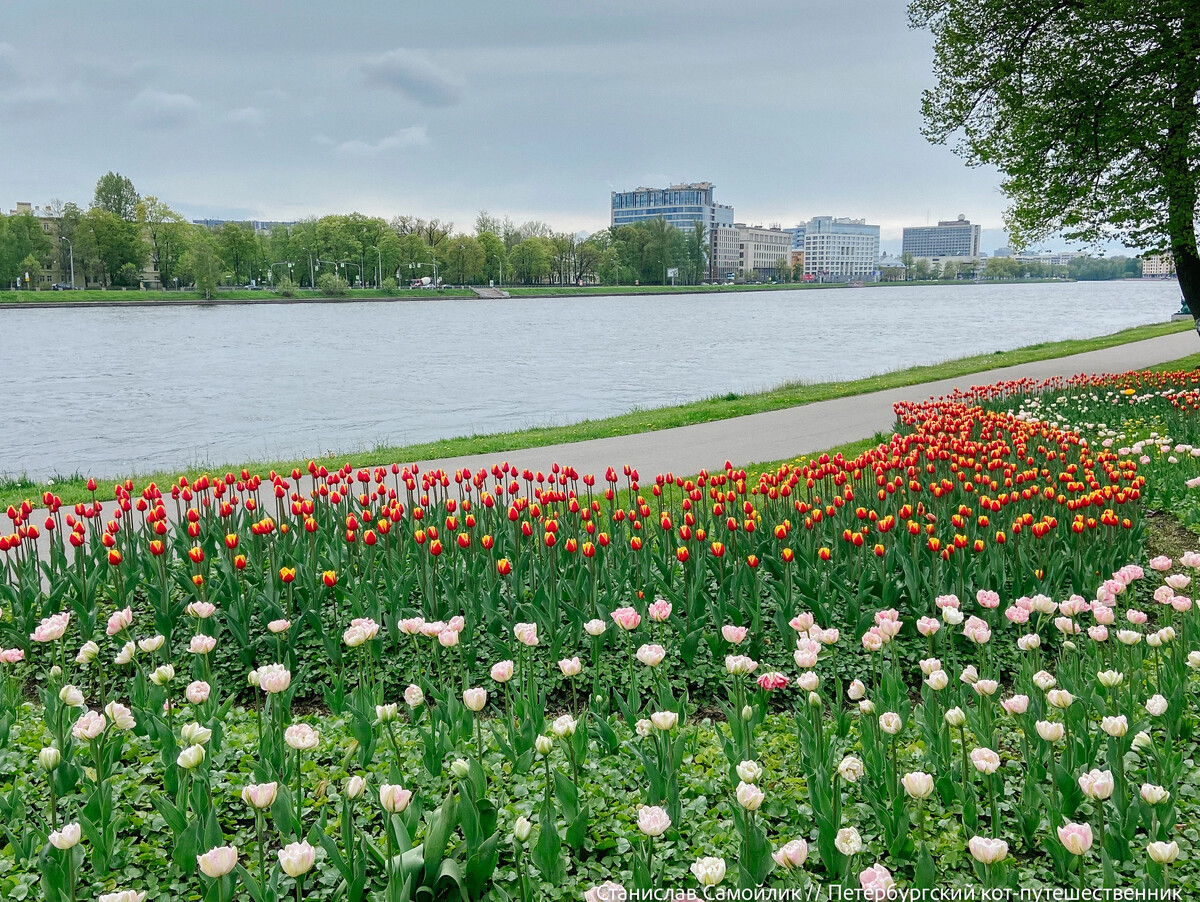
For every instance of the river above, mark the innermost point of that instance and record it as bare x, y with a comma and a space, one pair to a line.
115, 391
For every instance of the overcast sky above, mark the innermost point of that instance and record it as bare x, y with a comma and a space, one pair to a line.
534, 109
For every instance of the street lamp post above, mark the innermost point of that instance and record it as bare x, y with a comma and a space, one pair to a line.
71, 250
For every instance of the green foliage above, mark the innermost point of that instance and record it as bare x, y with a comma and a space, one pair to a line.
332, 285
1090, 110
201, 261
116, 195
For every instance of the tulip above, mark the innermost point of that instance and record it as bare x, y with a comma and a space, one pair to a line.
1154, 795
848, 842
1116, 726
651, 655
260, 795
606, 892
125, 895
301, 737
1076, 838
273, 678
851, 769
1163, 852
733, 634
475, 699
522, 829
394, 798
191, 757
197, 692
563, 726
1060, 698
90, 725
917, 784
526, 634
1156, 706
218, 862
1050, 731
876, 883
387, 713
653, 821
987, 851
162, 675
355, 787
194, 734
543, 744
66, 838
1097, 784
791, 855
709, 871
296, 859
626, 618
890, 723
749, 796
49, 758
985, 760
570, 667
70, 696
594, 628
664, 720
413, 696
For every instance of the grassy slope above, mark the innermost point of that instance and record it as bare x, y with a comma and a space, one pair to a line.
117, 296
72, 489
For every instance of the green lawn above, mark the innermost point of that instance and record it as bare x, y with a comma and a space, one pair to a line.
72, 488
117, 296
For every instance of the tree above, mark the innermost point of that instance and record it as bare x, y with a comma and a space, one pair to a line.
464, 260
1091, 110
907, 259
120, 251
164, 229
201, 261
21, 238
116, 194
235, 244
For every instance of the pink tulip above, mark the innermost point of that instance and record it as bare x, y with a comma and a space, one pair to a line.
801, 623
626, 618
12, 656
202, 645
502, 671
218, 862
773, 680
279, 626
526, 634
987, 598
733, 634
475, 698
651, 655
1076, 838
201, 610
120, 620
927, 626
659, 611
877, 883
197, 692
52, 628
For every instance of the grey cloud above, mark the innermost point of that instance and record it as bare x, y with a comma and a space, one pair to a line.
413, 136
161, 108
247, 115
412, 74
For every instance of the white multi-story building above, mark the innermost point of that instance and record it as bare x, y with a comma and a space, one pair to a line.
838, 249
760, 249
1158, 265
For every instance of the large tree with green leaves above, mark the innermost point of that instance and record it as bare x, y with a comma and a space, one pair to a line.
1090, 109
116, 194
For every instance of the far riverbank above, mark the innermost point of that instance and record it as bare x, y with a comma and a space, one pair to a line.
242, 297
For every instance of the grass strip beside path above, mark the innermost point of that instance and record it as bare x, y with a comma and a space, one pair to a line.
73, 489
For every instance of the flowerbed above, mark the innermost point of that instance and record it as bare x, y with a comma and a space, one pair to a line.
936, 663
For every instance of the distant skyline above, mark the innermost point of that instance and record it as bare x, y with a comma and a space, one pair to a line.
533, 110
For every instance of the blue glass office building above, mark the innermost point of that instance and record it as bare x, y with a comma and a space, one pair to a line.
680, 205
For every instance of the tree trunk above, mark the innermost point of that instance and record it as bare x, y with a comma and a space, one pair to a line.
1187, 268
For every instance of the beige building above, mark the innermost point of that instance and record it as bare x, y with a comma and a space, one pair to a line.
724, 255
56, 268
760, 249
1158, 265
